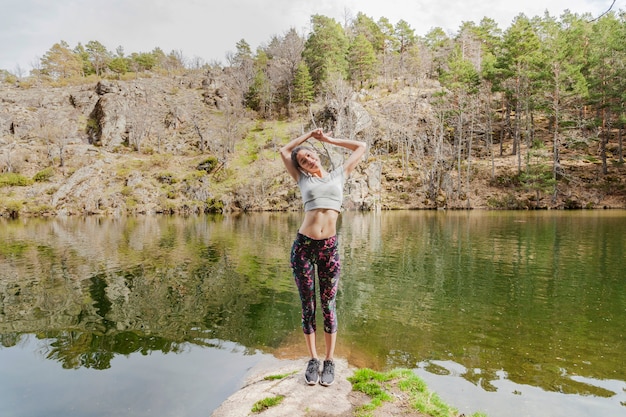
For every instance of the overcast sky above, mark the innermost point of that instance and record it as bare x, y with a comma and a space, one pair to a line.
209, 29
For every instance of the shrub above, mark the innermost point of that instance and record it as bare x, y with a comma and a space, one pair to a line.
13, 179
12, 208
208, 164
166, 178
44, 175
214, 205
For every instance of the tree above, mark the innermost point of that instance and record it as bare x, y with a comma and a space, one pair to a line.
83, 55
361, 59
405, 36
119, 65
98, 55
605, 73
303, 88
439, 46
559, 72
325, 50
463, 81
284, 55
520, 42
242, 68
260, 95
366, 26
491, 40
389, 46
142, 61
61, 62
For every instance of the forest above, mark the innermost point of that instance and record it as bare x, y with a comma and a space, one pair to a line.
542, 88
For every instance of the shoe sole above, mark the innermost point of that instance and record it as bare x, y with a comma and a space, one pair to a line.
311, 382
325, 384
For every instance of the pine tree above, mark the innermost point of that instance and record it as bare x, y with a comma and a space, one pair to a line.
362, 60
325, 50
303, 88
61, 62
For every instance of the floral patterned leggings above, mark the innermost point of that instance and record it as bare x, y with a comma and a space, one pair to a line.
306, 253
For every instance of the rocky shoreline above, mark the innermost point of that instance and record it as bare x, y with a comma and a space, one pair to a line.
300, 399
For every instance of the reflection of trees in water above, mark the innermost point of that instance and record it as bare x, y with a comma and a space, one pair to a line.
485, 291
187, 289
90, 350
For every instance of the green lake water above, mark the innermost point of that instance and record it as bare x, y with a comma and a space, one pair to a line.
509, 313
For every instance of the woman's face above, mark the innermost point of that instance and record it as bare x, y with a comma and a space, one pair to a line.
308, 160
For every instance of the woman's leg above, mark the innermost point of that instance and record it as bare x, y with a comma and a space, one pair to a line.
302, 263
310, 344
328, 270
331, 340
304, 276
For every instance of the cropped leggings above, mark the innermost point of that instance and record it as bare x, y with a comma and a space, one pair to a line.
306, 254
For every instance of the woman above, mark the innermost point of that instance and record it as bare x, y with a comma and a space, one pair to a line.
316, 241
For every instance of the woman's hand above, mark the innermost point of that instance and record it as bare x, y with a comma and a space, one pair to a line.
317, 134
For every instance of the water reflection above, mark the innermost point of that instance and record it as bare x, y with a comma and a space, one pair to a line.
514, 300
181, 384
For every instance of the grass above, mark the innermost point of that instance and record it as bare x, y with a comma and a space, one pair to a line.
266, 403
377, 386
279, 376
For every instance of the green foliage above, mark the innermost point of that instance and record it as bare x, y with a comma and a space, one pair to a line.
127, 191
7, 77
208, 164
214, 205
12, 208
506, 202
303, 87
370, 383
266, 403
257, 98
44, 175
377, 386
373, 32
166, 178
194, 176
279, 376
461, 74
98, 56
405, 36
119, 65
362, 59
11, 179
143, 61
60, 62
325, 50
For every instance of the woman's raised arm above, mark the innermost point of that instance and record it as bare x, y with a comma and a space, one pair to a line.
285, 151
357, 147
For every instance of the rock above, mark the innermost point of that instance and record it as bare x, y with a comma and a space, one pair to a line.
83, 185
107, 87
110, 114
300, 399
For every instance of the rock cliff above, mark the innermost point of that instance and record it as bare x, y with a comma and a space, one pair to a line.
183, 144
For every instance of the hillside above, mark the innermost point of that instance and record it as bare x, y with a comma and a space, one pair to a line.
181, 144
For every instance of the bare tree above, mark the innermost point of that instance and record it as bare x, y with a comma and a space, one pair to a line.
8, 157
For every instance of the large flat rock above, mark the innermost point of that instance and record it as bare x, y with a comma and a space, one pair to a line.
299, 400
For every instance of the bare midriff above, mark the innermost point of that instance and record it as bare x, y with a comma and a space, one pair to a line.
319, 224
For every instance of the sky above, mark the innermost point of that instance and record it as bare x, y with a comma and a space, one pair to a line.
209, 30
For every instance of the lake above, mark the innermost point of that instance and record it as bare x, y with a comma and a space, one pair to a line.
509, 313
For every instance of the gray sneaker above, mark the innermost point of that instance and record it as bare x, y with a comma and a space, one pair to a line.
328, 374
312, 374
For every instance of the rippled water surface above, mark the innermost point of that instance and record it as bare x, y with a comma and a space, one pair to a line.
510, 313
